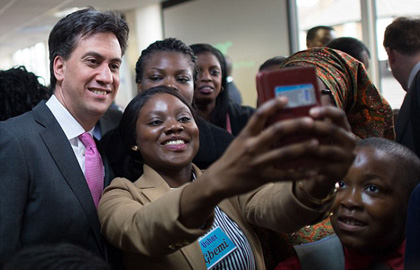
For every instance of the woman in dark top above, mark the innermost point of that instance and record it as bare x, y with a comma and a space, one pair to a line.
211, 97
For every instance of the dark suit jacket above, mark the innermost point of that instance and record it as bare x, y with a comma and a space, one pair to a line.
44, 197
108, 121
407, 126
234, 93
239, 116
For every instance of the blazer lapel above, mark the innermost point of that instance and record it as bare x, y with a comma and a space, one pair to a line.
152, 184
63, 155
153, 187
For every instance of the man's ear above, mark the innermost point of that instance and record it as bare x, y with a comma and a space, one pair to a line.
59, 66
391, 55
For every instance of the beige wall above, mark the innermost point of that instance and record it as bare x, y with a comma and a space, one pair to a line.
249, 31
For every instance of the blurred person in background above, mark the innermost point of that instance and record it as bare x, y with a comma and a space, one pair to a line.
319, 36
20, 91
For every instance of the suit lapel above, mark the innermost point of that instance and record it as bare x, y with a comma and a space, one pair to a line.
415, 113
62, 153
403, 117
408, 123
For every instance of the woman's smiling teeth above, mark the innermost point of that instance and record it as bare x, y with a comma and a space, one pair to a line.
352, 222
176, 142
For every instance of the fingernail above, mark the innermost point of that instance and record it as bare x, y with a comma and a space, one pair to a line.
315, 111
283, 99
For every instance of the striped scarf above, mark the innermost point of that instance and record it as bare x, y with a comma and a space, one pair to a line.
368, 113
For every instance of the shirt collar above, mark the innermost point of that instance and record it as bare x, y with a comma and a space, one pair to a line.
70, 126
413, 73
355, 260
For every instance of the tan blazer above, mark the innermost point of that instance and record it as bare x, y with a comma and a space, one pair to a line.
141, 218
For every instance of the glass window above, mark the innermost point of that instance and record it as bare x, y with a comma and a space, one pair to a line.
387, 11
35, 59
324, 12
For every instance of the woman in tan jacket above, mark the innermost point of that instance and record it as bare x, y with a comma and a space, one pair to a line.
176, 217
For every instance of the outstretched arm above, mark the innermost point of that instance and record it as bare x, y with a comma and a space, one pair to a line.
250, 160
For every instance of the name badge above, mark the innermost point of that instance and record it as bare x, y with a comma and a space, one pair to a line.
215, 246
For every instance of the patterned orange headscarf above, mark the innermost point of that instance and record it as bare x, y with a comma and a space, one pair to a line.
368, 113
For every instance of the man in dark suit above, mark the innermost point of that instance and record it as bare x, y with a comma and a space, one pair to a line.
402, 44
45, 197
233, 91
107, 122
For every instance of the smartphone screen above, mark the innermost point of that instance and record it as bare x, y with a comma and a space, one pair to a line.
298, 95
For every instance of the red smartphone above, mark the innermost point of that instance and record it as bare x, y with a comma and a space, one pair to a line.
300, 86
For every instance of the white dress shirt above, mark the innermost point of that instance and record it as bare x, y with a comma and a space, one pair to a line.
71, 128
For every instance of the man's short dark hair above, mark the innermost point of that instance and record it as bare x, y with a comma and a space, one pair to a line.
274, 61
403, 35
66, 33
310, 35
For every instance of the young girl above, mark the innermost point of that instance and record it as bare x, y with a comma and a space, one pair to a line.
369, 212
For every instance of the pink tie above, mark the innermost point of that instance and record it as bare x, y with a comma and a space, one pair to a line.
94, 169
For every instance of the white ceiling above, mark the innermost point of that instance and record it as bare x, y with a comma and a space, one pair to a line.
24, 23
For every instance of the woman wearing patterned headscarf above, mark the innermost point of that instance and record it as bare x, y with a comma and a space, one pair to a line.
345, 79
369, 114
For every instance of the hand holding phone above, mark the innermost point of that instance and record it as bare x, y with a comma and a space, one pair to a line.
300, 86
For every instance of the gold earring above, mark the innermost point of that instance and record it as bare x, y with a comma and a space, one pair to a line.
134, 148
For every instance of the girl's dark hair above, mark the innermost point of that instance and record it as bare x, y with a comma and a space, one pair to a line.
274, 61
349, 45
128, 123
20, 91
166, 45
218, 115
406, 161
